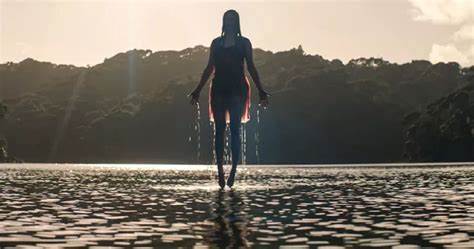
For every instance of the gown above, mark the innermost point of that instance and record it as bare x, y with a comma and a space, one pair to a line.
229, 78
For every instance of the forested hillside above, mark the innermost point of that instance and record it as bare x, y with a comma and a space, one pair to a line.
133, 108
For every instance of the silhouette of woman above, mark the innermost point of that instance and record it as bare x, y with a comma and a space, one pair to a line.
229, 95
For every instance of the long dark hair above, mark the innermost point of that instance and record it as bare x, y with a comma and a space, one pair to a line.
237, 23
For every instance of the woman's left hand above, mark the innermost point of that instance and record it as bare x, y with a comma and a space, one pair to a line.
194, 97
263, 99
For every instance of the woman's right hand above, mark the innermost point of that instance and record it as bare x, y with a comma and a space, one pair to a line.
194, 97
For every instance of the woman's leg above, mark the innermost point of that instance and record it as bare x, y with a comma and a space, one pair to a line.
220, 125
236, 109
218, 109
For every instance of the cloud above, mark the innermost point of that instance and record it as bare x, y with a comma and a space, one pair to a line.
447, 53
449, 12
443, 11
466, 32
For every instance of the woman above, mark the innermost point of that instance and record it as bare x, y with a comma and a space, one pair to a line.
229, 95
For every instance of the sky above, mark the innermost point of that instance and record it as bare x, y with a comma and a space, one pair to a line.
85, 32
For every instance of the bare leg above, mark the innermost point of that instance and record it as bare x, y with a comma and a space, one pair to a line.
235, 123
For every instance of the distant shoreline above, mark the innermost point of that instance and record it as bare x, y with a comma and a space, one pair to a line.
186, 167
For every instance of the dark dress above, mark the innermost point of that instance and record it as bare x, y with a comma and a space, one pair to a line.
229, 79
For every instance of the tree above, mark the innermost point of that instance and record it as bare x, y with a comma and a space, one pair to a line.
3, 111
3, 143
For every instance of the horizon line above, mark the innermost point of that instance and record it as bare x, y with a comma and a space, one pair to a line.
192, 167
256, 48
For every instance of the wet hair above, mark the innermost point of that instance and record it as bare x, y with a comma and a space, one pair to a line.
237, 23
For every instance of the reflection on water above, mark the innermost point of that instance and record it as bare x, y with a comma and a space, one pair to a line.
229, 219
160, 206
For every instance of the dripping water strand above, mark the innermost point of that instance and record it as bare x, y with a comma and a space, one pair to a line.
224, 161
244, 143
257, 138
241, 143
213, 149
197, 127
197, 132
227, 149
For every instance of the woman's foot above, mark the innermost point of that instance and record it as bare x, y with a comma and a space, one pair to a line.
230, 180
220, 171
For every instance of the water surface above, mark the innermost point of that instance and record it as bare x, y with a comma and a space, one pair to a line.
167, 206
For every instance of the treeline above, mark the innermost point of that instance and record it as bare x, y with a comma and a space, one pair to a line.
133, 108
4, 157
444, 130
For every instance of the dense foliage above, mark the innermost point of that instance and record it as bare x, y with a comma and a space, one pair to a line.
3, 110
444, 131
133, 108
4, 157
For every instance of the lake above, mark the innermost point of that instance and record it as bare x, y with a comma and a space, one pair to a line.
271, 206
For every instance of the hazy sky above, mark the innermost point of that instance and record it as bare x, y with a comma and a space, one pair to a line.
82, 32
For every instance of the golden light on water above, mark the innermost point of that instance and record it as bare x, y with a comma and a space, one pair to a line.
209, 167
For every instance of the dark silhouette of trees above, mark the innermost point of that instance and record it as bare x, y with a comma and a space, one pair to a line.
3, 145
133, 108
3, 110
444, 130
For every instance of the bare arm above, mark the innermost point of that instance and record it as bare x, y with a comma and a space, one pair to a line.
207, 71
251, 67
